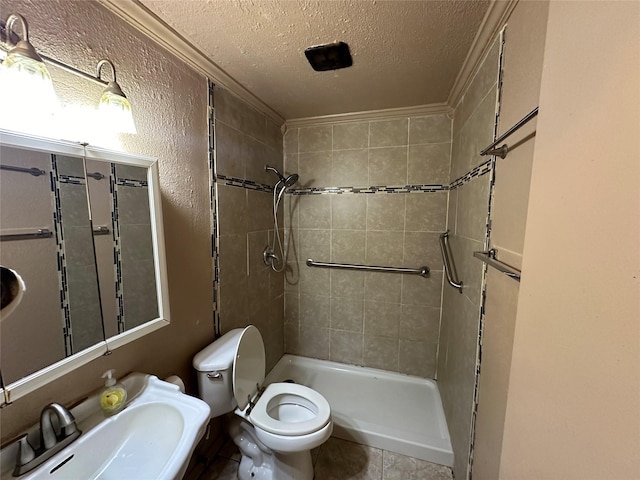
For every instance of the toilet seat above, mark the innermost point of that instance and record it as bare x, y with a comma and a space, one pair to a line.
290, 409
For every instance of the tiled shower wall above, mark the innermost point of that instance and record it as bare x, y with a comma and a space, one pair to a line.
390, 209
473, 129
249, 291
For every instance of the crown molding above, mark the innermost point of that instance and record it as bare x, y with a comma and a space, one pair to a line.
493, 21
415, 111
144, 20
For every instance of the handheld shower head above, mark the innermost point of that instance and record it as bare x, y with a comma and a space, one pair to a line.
287, 182
291, 180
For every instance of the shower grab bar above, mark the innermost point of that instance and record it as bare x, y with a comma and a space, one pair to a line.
504, 149
422, 271
490, 259
40, 233
449, 266
36, 172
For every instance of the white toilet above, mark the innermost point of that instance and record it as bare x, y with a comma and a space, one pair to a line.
275, 428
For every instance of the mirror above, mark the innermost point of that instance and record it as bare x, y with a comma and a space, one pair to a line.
83, 227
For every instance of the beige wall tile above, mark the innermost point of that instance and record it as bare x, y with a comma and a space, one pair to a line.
292, 307
382, 319
430, 129
347, 283
346, 347
380, 352
417, 358
384, 248
350, 136
231, 151
347, 313
422, 291
422, 248
348, 246
389, 133
314, 280
292, 339
315, 139
420, 323
315, 341
473, 203
348, 212
273, 135
386, 212
388, 166
233, 213
314, 211
260, 210
483, 81
291, 141
233, 258
350, 168
315, 310
314, 169
429, 164
382, 287
426, 212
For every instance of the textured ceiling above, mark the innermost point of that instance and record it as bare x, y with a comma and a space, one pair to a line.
405, 53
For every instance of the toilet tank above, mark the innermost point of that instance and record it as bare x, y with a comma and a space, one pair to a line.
214, 365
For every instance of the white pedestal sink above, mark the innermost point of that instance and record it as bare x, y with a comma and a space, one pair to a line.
152, 438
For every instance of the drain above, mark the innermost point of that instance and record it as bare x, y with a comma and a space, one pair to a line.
289, 380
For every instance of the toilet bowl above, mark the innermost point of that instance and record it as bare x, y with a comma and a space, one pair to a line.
275, 426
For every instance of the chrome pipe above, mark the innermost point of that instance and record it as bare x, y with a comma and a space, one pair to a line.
422, 271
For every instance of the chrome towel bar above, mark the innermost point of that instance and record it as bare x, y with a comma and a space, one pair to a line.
40, 233
490, 259
504, 149
422, 271
36, 172
447, 260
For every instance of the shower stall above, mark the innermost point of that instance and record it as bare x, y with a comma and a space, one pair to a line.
375, 192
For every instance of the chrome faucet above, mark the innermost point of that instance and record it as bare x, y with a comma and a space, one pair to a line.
50, 442
48, 437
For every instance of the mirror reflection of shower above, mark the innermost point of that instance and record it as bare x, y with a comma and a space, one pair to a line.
272, 258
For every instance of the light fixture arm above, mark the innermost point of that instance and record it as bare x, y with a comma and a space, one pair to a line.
102, 63
9, 28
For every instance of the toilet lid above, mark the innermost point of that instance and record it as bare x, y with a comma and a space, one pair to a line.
290, 409
248, 366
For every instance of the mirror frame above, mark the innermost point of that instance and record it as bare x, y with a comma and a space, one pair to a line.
34, 381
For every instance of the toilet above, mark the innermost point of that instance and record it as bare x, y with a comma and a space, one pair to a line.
275, 427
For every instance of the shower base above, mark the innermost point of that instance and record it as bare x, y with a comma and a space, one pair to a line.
391, 411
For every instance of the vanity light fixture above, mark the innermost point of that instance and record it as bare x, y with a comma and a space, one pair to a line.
114, 106
24, 76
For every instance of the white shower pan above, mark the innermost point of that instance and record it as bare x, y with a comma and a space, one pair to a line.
381, 409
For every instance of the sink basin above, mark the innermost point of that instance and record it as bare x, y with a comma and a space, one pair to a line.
152, 438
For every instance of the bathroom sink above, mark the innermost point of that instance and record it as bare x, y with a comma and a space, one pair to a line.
152, 438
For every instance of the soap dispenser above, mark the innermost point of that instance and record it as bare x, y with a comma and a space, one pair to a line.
113, 396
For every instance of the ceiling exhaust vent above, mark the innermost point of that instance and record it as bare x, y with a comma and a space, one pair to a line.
331, 56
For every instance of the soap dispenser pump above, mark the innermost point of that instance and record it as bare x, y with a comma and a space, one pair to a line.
113, 396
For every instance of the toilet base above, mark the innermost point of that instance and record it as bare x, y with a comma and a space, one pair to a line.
260, 463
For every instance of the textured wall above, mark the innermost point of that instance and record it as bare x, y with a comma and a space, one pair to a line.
380, 320
250, 292
170, 112
473, 127
522, 69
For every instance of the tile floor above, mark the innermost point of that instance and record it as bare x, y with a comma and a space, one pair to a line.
334, 460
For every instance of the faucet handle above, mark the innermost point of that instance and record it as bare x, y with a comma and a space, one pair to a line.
26, 453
